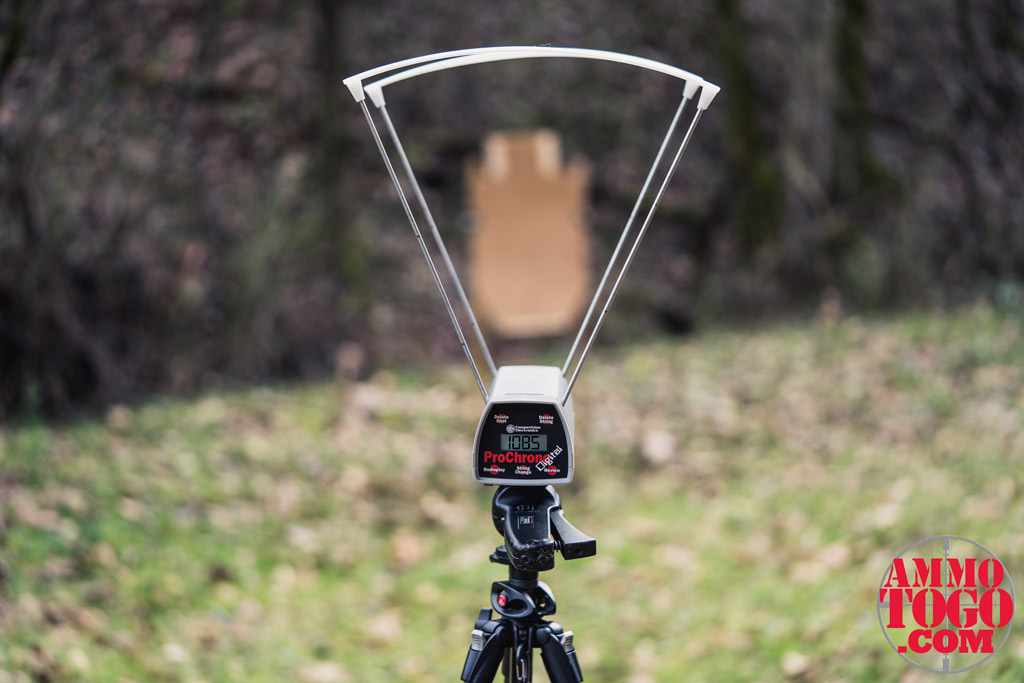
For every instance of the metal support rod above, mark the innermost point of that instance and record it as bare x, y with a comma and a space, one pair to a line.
625, 232
632, 254
437, 238
423, 247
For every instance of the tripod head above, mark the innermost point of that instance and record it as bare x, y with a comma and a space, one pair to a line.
531, 521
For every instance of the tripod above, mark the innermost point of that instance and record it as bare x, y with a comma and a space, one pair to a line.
532, 523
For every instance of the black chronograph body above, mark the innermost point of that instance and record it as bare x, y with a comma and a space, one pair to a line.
525, 433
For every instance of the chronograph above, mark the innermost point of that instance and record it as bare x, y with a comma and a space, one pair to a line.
525, 434
524, 440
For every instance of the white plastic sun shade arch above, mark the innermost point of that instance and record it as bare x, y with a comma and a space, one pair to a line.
425, 64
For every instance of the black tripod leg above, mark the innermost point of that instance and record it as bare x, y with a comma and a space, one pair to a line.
558, 654
488, 643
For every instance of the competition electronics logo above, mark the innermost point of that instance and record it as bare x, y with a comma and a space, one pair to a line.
946, 604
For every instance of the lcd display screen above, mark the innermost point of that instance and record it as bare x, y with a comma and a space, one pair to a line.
526, 443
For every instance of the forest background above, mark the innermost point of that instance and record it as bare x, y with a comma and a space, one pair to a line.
189, 198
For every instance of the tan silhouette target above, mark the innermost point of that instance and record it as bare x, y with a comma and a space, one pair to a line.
529, 250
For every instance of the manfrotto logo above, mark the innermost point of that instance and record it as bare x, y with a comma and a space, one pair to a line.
945, 604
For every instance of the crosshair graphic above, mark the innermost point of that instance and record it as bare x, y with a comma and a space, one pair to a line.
946, 604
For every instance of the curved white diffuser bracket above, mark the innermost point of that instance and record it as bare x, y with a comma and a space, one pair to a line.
499, 54
441, 61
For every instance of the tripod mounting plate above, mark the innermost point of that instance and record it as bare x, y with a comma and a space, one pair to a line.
532, 523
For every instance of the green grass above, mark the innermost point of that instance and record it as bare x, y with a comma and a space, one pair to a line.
747, 491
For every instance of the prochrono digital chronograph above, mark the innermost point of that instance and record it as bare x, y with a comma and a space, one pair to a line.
524, 440
525, 434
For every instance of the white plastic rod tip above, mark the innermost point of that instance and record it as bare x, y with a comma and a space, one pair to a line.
355, 86
707, 94
691, 88
376, 93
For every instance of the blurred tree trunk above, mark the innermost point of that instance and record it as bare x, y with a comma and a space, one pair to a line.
992, 101
337, 233
49, 358
755, 185
855, 166
858, 187
15, 22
